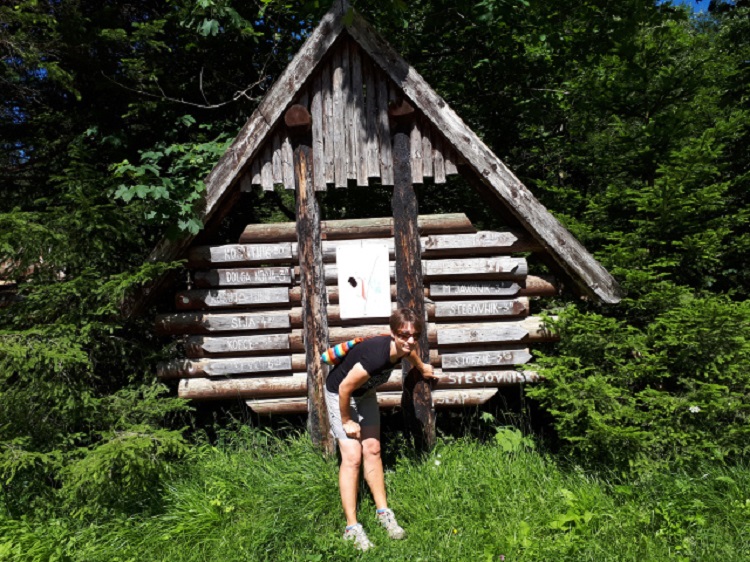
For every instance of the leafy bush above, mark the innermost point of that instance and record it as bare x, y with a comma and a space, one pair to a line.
675, 391
123, 472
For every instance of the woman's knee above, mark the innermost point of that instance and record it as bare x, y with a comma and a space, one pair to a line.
371, 447
351, 456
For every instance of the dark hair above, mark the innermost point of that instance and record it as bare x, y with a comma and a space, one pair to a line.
403, 316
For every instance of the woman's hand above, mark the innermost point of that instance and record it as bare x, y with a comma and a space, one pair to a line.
428, 372
352, 429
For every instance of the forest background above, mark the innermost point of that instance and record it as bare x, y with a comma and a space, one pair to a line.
629, 120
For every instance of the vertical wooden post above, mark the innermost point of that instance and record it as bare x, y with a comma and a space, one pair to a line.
314, 306
416, 400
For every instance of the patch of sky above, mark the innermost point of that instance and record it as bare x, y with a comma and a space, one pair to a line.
17, 115
695, 6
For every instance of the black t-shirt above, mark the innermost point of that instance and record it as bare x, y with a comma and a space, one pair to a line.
375, 356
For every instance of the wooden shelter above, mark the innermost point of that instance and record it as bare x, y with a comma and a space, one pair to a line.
348, 111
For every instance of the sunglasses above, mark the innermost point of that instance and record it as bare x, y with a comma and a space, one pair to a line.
407, 335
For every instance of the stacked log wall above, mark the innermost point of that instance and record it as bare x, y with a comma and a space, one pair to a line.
242, 323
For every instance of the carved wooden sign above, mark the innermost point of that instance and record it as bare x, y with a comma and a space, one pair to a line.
463, 289
198, 346
226, 367
228, 298
241, 253
245, 276
472, 309
477, 268
479, 243
493, 334
482, 359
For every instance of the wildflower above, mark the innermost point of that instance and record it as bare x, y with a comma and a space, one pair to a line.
694, 409
437, 463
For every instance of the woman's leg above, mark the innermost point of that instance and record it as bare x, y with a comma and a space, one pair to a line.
373, 464
351, 460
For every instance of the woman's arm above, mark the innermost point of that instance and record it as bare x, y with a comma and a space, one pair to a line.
355, 378
416, 361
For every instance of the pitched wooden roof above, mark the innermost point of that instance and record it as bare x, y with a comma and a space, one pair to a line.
258, 142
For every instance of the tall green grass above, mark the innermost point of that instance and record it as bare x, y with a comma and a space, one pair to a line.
259, 497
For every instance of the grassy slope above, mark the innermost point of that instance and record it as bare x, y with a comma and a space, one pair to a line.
261, 498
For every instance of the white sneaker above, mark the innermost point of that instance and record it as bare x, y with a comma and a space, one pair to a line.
388, 520
358, 535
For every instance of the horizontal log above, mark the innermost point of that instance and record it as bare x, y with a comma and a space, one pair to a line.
528, 286
447, 335
356, 228
209, 367
250, 276
287, 252
532, 286
386, 400
217, 346
277, 296
295, 385
206, 323
254, 297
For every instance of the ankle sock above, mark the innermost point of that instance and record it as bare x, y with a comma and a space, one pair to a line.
381, 511
350, 527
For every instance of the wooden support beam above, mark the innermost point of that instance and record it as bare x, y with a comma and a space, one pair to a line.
314, 314
419, 412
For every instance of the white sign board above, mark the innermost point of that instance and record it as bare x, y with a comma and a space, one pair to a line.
364, 281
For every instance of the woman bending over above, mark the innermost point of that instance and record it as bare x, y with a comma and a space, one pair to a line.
355, 417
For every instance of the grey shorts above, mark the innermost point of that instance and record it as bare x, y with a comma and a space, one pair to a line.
363, 409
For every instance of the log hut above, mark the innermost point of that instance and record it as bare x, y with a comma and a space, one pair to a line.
257, 313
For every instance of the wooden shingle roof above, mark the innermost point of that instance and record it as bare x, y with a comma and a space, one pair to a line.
259, 153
